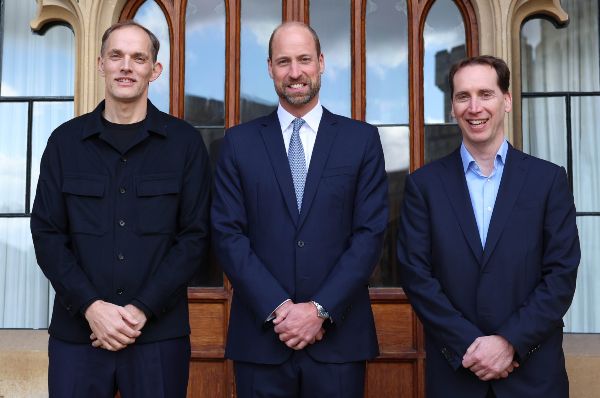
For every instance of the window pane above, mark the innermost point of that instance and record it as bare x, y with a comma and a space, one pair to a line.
53, 70
583, 316
205, 62
257, 95
151, 16
335, 46
395, 142
24, 293
586, 158
387, 62
13, 156
562, 59
444, 43
46, 117
544, 129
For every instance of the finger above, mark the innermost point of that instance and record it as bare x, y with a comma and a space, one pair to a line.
126, 315
473, 346
96, 343
93, 336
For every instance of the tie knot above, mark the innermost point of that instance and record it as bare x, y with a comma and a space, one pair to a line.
297, 123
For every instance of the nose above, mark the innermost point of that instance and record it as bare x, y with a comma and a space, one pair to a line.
295, 71
474, 105
126, 64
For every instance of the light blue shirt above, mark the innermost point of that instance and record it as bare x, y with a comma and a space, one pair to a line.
483, 189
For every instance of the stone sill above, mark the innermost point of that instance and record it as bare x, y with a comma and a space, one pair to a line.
24, 363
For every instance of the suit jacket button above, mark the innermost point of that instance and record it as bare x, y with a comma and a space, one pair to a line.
300, 243
120, 291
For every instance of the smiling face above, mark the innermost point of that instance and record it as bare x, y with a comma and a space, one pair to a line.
479, 105
127, 66
296, 68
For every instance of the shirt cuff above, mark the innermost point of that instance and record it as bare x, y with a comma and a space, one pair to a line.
272, 315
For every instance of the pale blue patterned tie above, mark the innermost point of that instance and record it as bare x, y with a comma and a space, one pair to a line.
297, 161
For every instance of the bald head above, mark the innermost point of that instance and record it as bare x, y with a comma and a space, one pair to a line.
294, 24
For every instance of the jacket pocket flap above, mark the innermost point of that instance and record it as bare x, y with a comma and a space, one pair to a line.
158, 184
84, 185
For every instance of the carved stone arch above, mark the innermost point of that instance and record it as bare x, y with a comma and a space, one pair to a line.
88, 19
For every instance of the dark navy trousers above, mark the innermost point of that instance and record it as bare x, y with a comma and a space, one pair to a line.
300, 377
150, 370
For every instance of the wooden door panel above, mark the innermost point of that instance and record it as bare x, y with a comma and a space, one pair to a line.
392, 379
209, 378
396, 328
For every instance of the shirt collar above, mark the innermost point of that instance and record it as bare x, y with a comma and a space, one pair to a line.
312, 118
467, 159
154, 123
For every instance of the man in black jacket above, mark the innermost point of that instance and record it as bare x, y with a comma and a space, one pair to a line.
120, 225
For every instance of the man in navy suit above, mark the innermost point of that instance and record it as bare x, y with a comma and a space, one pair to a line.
488, 251
298, 218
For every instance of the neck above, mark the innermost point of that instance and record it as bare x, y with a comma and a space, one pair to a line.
123, 112
484, 155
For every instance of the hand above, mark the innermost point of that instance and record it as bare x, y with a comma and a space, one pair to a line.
490, 357
138, 314
113, 327
298, 325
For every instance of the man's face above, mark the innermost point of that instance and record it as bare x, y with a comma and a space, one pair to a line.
296, 68
479, 106
127, 65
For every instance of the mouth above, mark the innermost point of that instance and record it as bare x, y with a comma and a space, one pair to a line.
296, 86
477, 123
125, 80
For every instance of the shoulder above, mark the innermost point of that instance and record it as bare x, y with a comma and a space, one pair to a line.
246, 132
532, 162
350, 125
71, 128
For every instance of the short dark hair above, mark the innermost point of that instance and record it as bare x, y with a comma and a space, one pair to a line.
124, 24
502, 71
296, 23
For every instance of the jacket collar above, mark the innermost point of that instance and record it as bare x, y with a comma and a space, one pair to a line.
155, 121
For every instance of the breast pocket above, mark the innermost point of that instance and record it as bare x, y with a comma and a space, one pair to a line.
86, 205
158, 202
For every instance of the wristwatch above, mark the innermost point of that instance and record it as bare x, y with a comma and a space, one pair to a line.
321, 313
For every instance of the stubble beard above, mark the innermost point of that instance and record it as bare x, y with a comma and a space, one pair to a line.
314, 87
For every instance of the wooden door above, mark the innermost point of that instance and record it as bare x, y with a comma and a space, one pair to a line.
370, 47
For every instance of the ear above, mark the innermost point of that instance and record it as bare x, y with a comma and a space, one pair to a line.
101, 66
270, 67
507, 102
321, 63
156, 71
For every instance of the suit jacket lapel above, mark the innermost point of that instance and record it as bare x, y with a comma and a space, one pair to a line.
455, 184
273, 138
512, 181
325, 137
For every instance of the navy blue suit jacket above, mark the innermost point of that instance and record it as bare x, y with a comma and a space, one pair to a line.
519, 286
326, 253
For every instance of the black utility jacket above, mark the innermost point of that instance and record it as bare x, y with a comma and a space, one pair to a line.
127, 227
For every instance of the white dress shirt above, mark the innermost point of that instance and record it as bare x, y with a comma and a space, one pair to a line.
308, 131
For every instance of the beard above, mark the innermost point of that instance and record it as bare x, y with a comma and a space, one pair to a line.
296, 99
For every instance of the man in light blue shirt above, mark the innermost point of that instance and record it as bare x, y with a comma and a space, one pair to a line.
488, 251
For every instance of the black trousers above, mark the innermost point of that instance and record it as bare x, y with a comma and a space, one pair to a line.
151, 370
300, 377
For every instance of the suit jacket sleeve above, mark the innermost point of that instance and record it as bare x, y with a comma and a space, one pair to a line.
451, 329
542, 312
370, 216
51, 240
248, 274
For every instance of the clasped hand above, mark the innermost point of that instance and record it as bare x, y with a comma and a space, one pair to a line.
490, 357
298, 325
114, 327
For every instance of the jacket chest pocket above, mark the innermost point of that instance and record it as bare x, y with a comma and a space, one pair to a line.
157, 203
86, 205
